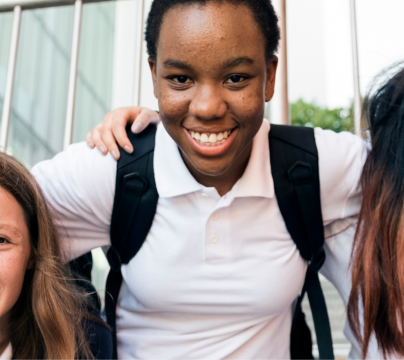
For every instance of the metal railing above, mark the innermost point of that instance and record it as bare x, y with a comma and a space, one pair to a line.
355, 64
9, 5
12, 61
17, 7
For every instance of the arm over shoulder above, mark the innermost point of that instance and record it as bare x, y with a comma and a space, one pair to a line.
341, 159
79, 185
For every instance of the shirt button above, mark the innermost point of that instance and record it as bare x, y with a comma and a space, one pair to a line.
214, 239
204, 194
215, 216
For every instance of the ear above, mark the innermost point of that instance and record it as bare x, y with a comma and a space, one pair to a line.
271, 75
153, 69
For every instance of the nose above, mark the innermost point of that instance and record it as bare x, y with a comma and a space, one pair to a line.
208, 103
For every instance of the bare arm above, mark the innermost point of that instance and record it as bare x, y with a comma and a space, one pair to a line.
111, 131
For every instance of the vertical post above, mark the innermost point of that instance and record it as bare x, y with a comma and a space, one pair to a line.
283, 67
12, 62
355, 63
78, 5
278, 107
138, 74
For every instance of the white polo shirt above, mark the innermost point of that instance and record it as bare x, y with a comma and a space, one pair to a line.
7, 353
217, 276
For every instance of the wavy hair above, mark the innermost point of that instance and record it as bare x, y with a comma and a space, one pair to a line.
46, 322
378, 257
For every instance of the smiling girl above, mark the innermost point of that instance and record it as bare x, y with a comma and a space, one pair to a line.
41, 312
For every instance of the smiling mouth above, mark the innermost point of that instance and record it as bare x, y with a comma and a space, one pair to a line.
210, 139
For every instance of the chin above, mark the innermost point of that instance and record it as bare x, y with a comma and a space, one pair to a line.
211, 169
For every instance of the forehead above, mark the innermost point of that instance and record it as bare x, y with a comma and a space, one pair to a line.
214, 32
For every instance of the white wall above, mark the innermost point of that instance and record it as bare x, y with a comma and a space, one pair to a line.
319, 59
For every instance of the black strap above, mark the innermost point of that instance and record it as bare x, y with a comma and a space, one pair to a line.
294, 163
134, 208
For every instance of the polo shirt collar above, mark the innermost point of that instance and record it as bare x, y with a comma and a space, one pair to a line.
174, 179
172, 175
257, 179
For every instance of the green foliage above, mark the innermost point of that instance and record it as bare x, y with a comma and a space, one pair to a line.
310, 114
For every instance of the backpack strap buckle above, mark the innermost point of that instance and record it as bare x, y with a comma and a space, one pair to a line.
135, 184
300, 173
114, 259
317, 260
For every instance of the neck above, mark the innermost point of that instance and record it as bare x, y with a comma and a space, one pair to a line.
4, 332
223, 183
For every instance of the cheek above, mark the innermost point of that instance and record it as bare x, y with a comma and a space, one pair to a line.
248, 104
174, 104
12, 272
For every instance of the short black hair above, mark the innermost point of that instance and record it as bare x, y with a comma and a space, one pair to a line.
264, 15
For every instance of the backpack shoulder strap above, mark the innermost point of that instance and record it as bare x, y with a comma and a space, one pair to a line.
295, 170
133, 212
136, 195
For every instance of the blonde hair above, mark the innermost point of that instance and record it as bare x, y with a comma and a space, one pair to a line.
46, 322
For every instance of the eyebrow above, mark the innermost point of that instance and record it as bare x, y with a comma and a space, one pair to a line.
176, 64
12, 228
233, 62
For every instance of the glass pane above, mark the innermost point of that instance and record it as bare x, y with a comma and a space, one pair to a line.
40, 89
6, 20
320, 64
94, 82
381, 45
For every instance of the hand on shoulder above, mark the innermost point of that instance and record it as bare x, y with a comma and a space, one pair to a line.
111, 132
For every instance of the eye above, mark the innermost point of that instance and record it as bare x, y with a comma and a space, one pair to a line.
3, 240
236, 78
180, 79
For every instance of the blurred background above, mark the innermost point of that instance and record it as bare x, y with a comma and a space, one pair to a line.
112, 71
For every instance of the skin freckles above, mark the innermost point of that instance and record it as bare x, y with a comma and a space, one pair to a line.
211, 75
15, 258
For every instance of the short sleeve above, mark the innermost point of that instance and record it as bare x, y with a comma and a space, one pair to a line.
79, 185
341, 159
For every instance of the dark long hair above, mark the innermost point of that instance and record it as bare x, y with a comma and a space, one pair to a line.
378, 257
46, 321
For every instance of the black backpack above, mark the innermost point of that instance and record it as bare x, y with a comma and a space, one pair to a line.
294, 164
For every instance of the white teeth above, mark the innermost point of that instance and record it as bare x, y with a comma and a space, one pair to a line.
212, 138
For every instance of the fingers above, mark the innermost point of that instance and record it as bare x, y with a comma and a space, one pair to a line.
94, 140
89, 140
112, 129
110, 143
139, 117
145, 117
120, 119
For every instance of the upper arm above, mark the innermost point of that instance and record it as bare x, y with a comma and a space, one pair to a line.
79, 185
341, 159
